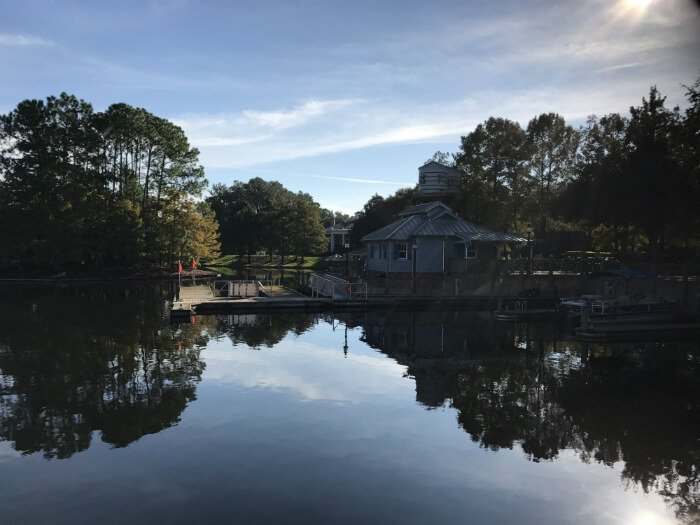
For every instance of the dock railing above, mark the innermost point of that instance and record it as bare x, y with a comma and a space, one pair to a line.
336, 288
564, 266
237, 288
242, 288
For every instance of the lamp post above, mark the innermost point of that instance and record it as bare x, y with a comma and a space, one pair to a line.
414, 265
347, 261
529, 249
345, 345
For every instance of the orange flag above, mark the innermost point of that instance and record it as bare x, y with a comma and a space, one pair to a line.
179, 267
194, 263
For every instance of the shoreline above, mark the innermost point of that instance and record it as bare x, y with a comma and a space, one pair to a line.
105, 277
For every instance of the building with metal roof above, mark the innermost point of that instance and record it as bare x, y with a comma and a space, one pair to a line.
431, 238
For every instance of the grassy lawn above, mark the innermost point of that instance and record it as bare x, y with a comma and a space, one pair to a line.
263, 261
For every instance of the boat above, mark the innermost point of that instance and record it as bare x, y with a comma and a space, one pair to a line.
620, 303
575, 306
638, 309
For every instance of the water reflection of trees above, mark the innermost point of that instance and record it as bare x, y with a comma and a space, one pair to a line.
264, 330
74, 361
514, 385
81, 359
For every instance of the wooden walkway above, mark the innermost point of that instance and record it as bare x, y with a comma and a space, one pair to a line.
275, 290
190, 297
200, 299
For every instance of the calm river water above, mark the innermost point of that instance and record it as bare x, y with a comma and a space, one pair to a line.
109, 414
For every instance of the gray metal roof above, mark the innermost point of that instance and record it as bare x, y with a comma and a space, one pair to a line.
429, 220
425, 208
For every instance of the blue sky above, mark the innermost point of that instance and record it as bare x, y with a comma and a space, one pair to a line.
346, 99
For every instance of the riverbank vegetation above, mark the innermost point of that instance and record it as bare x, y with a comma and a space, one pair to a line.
628, 184
85, 189
123, 188
261, 216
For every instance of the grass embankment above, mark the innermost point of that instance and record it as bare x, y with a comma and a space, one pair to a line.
292, 262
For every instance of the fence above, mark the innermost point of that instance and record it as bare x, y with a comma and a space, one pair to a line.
336, 288
577, 267
239, 288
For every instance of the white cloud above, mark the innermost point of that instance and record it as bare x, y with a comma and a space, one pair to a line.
252, 138
364, 181
254, 126
438, 80
279, 120
314, 128
287, 368
19, 40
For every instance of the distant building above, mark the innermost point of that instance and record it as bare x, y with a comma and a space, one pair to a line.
436, 180
431, 239
338, 236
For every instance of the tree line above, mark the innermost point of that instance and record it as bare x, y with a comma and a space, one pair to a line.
86, 188
123, 186
261, 215
622, 183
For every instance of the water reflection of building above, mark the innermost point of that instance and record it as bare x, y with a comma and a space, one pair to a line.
517, 385
435, 345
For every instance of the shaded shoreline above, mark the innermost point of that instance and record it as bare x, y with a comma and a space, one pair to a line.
68, 277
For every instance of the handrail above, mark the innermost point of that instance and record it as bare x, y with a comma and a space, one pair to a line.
336, 288
223, 288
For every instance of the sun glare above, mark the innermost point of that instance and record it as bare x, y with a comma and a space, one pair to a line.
638, 5
649, 518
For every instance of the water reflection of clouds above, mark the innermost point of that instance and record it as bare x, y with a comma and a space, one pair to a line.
6, 450
311, 367
308, 366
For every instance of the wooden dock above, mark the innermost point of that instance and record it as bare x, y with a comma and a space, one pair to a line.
279, 291
200, 300
189, 298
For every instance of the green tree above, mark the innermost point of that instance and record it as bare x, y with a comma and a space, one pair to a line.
331, 217
378, 212
307, 232
685, 220
89, 189
596, 195
494, 160
651, 133
553, 146
264, 215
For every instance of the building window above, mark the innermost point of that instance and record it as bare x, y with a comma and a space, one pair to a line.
383, 251
372, 248
465, 251
400, 250
421, 179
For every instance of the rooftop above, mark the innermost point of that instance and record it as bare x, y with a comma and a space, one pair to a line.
434, 219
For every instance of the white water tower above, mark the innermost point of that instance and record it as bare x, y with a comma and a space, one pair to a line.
435, 180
